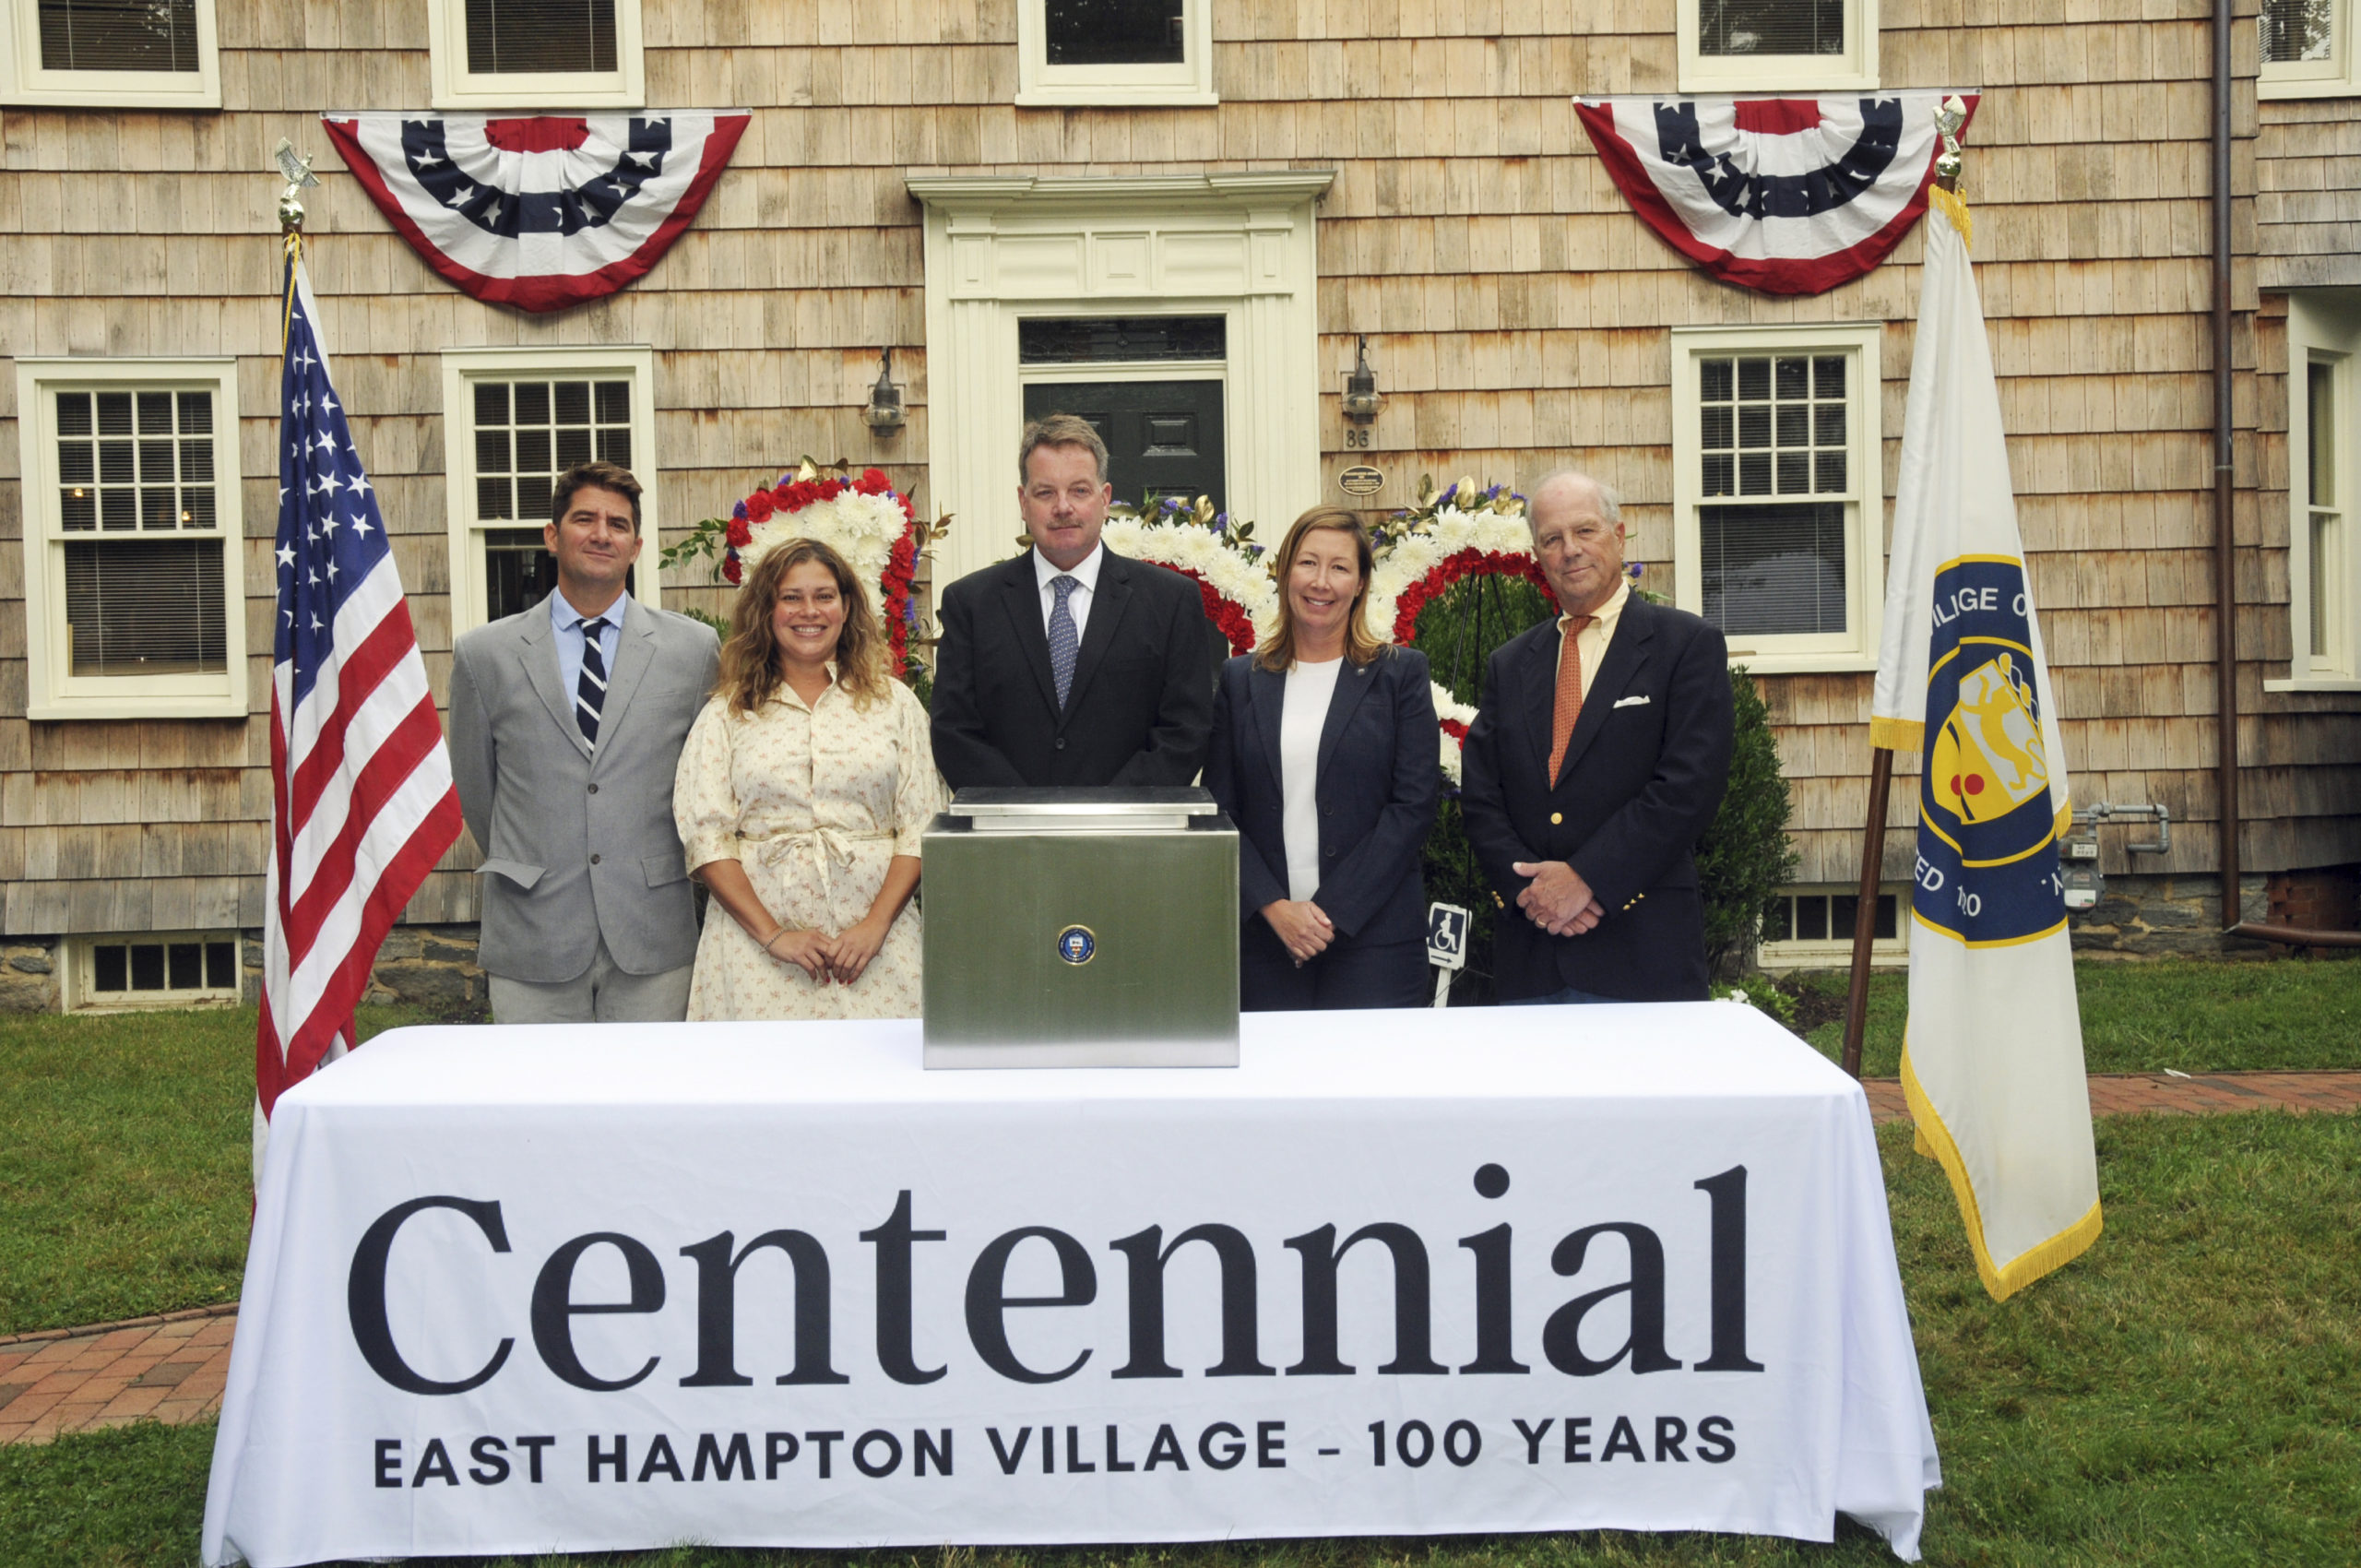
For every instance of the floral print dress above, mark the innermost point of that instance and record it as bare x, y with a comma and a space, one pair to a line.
814, 802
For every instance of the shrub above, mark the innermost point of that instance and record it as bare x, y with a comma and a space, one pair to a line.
1744, 858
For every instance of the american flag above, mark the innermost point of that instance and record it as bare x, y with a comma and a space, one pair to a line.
362, 800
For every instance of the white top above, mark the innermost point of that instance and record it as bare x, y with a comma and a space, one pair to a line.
1077, 600
1301, 713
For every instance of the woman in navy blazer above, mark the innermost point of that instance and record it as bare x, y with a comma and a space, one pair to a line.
1334, 795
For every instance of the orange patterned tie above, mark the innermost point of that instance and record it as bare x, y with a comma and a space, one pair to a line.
1569, 706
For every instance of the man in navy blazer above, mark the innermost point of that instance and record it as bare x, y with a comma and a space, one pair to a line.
1071, 665
1598, 757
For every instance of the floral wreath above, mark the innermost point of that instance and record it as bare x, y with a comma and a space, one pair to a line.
1211, 550
863, 518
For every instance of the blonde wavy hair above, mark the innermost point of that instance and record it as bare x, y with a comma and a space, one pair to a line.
750, 672
1278, 652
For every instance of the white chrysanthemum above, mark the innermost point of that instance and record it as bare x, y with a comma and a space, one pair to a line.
1450, 707
1233, 574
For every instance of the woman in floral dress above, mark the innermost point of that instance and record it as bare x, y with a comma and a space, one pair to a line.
801, 793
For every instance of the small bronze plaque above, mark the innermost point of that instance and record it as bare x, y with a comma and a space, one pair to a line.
1360, 480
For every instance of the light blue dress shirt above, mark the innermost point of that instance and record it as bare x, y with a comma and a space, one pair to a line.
566, 622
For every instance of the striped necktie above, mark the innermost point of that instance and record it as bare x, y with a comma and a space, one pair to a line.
590, 692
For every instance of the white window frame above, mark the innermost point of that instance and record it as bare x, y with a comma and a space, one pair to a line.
53, 691
2331, 78
1836, 951
453, 86
1865, 501
24, 79
2321, 327
999, 249
81, 993
462, 368
1189, 85
1855, 67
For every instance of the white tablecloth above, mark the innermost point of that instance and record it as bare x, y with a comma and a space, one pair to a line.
1690, 1194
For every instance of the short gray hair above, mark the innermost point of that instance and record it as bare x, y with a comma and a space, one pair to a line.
1611, 504
1061, 430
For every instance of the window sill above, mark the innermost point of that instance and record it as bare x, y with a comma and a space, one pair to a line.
1113, 97
1805, 664
2314, 683
540, 96
2265, 89
1779, 77
197, 97
130, 706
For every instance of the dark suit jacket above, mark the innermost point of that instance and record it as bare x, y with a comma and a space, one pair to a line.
1380, 771
1643, 777
1142, 700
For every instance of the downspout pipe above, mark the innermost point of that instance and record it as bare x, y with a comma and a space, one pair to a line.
2226, 581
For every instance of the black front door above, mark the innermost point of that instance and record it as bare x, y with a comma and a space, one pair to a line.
1163, 437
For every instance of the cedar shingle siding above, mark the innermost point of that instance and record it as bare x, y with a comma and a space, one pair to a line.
1518, 315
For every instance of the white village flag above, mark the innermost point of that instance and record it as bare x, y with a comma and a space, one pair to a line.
1992, 1061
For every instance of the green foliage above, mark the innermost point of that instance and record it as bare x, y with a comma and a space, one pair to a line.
1457, 632
125, 1161
2192, 1014
1744, 858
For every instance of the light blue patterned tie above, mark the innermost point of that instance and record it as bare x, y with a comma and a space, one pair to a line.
1063, 644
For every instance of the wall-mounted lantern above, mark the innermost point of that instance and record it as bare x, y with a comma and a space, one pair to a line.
885, 410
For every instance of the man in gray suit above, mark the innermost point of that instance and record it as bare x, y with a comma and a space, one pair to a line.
566, 725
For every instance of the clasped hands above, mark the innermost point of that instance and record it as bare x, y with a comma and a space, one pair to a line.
823, 958
1557, 899
1301, 926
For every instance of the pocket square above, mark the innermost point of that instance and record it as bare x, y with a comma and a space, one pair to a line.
1639, 701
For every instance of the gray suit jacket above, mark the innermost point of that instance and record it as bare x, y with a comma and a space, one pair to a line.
578, 846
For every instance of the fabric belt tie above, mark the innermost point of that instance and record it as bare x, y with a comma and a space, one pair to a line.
826, 846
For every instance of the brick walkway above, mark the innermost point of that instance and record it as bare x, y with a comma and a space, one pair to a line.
173, 1368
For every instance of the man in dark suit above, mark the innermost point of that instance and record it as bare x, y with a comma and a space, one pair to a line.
1598, 757
1071, 665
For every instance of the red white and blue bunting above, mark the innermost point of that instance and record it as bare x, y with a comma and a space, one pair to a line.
539, 212
1787, 196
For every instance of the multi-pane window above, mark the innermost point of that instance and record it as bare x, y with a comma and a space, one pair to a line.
514, 54
1812, 927
124, 54
1143, 52
1781, 45
134, 467
518, 419
2304, 49
132, 586
118, 35
513, 36
2324, 503
164, 971
1772, 439
1774, 474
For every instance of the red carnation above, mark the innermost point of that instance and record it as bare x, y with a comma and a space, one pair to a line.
872, 481
759, 505
730, 570
1454, 728
741, 534
830, 489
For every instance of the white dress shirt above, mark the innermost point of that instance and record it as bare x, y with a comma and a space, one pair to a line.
1077, 600
1592, 640
566, 621
1303, 713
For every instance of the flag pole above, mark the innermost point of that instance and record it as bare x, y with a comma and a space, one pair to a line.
1865, 909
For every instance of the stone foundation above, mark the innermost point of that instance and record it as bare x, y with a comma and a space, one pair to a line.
28, 974
2154, 917
432, 966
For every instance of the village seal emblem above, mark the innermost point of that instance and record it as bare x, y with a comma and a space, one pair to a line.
1988, 867
1078, 945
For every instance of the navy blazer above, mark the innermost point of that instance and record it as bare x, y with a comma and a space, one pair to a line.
1379, 773
1142, 696
1643, 777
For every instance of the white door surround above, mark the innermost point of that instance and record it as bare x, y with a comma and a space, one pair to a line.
1001, 249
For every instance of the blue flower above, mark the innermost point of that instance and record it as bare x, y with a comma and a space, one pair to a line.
739, 512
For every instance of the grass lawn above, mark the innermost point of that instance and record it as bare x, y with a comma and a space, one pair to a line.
2197, 1017
2188, 1393
125, 1161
